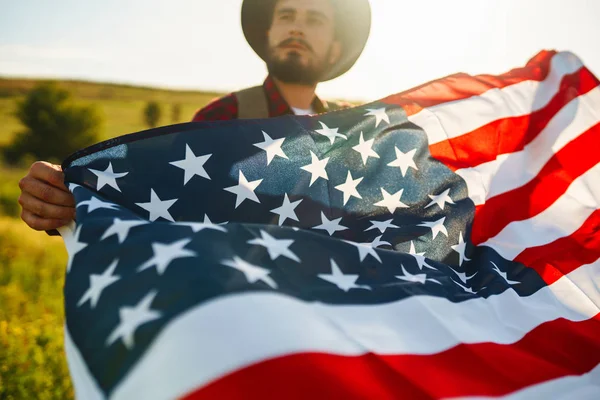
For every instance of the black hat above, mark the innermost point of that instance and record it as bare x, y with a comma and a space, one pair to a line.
353, 19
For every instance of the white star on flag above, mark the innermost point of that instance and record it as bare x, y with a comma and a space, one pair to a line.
441, 199
73, 186
404, 160
158, 208
463, 287
244, 190
344, 282
192, 165
330, 133
271, 147
95, 203
164, 254
364, 249
378, 242
460, 248
436, 227
503, 275
253, 273
419, 257
418, 278
316, 168
98, 283
463, 277
200, 226
131, 318
379, 114
121, 228
107, 177
365, 149
391, 201
381, 225
330, 226
70, 235
286, 210
349, 187
275, 247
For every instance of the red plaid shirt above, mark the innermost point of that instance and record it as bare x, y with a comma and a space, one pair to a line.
226, 107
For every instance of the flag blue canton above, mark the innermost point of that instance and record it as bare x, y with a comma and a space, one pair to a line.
344, 208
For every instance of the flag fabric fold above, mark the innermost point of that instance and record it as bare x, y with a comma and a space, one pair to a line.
443, 242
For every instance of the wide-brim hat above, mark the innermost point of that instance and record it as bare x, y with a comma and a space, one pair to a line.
353, 19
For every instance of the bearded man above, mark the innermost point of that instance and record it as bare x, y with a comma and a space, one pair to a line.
302, 42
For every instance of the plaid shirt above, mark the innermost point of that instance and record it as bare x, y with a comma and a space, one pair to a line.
226, 107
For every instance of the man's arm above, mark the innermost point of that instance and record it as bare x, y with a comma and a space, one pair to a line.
45, 200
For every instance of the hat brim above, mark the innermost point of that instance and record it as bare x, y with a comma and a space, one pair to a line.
353, 17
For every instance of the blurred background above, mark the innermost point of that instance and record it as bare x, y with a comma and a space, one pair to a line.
73, 73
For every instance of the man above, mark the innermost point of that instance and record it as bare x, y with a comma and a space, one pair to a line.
303, 42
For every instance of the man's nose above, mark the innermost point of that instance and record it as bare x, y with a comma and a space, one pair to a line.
296, 33
297, 29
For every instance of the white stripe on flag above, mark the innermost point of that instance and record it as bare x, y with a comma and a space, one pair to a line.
561, 219
205, 342
456, 118
510, 171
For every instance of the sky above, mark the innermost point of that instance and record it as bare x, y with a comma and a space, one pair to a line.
199, 45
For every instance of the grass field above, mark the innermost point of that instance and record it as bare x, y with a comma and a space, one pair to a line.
32, 361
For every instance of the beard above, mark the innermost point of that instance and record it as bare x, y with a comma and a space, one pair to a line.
290, 69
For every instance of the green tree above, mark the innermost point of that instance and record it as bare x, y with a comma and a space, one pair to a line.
54, 126
152, 113
175, 113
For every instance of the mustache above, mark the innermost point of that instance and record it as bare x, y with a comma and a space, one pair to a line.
296, 41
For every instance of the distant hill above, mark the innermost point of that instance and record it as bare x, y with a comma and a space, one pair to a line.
120, 105
11, 87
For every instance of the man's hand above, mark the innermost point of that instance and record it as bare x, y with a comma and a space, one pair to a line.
46, 201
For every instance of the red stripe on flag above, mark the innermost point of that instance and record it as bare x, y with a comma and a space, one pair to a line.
555, 349
554, 260
508, 135
462, 86
538, 194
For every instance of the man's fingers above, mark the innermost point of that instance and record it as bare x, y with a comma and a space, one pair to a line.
45, 192
45, 210
41, 224
46, 201
50, 173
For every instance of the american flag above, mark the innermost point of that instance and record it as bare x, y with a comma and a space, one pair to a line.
443, 242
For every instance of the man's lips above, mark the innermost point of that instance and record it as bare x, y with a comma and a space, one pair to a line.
296, 45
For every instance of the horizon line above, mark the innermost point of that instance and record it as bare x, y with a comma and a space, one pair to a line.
140, 85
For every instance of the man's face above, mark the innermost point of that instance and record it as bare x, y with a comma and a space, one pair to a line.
302, 41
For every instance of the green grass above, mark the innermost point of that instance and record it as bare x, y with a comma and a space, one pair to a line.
9, 190
32, 264
32, 361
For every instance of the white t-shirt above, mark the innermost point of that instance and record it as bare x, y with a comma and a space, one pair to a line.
301, 111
